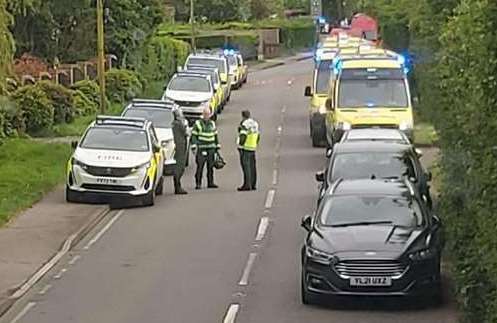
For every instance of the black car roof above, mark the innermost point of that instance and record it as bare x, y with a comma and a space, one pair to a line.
370, 146
378, 187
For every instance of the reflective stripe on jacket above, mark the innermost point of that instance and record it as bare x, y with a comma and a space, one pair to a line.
248, 135
204, 134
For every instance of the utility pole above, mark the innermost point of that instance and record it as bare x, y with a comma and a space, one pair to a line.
101, 54
192, 22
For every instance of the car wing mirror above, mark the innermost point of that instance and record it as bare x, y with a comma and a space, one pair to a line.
329, 152
429, 176
156, 149
329, 104
179, 69
436, 221
307, 223
74, 144
307, 91
320, 177
419, 152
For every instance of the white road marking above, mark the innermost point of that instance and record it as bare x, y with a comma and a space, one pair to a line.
261, 231
275, 176
74, 260
25, 310
230, 316
60, 273
283, 110
269, 199
45, 289
248, 268
280, 130
104, 230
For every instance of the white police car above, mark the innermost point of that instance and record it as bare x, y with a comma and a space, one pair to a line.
117, 159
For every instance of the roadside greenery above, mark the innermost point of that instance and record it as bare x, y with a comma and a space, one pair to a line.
28, 170
455, 51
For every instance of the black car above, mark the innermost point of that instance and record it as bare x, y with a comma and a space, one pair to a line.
375, 160
371, 238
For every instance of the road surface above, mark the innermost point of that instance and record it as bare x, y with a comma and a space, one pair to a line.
213, 255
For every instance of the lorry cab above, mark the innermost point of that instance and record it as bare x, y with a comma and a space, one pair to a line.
369, 91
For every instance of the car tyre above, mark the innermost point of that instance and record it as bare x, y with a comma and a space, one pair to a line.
149, 198
159, 190
308, 298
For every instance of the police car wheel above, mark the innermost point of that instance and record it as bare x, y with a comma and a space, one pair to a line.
159, 190
149, 198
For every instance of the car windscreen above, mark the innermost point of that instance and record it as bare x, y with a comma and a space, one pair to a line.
323, 77
218, 63
161, 118
189, 83
115, 139
370, 209
364, 165
372, 93
232, 60
213, 74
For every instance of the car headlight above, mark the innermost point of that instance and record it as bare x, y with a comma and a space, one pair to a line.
404, 126
344, 126
320, 256
143, 166
76, 162
423, 250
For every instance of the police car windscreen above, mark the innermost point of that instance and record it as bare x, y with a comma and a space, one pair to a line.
232, 60
323, 77
115, 139
218, 63
161, 118
370, 164
189, 83
372, 93
382, 210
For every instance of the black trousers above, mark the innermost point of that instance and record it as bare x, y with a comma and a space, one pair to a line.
247, 161
205, 156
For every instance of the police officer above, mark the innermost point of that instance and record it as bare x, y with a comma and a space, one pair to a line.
248, 140
181, 142
205, 145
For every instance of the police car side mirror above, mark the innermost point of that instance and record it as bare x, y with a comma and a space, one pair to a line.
74, 144
179, 69
307, 91
156, 149
429, 176
329, 152
419, 152
307, 223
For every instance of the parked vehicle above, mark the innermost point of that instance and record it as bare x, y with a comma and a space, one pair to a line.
372, 238
117, 158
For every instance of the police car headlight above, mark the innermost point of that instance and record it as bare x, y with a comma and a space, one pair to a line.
141, 167
404, 126
76, 162
344, 126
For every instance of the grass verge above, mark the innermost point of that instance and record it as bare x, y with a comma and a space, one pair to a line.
28, 170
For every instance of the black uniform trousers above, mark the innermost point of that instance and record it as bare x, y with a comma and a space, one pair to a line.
205, 156
247, 161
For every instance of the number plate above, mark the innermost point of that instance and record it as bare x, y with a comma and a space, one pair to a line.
371, 281
107, 181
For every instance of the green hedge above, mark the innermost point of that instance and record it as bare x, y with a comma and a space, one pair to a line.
122, 85
61, 99
36, 108
90, 89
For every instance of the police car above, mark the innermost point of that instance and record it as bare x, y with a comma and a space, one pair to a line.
161, 113
117, 158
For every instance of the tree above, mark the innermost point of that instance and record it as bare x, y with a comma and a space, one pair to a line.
6, 44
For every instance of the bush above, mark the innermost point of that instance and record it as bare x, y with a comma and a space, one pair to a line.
122, 85
297, 37
36, 109
90, 89
83, 105
62, 101
10, 118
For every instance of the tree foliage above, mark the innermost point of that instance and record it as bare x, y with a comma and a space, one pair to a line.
6, 45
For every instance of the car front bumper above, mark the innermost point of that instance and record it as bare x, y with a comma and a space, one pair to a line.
418, 279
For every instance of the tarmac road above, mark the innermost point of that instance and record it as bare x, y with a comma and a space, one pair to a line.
213, 255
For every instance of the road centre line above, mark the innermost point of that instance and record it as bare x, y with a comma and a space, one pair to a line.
248, 268
60, 273
104, 230
231, 314
275, 176
261, 231
269, 199
24, 311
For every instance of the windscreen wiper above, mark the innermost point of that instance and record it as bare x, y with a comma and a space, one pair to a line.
351, 224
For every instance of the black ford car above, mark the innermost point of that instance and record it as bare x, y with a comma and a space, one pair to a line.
371, 238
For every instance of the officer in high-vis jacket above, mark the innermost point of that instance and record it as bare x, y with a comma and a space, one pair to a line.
248, 140
205, 145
